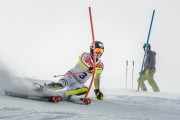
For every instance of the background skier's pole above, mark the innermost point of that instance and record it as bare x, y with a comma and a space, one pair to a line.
94, 65
126, 73
145, 52
132, 73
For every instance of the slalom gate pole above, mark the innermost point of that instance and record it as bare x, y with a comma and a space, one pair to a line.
126, 73
132, 73
93, 40
145, 52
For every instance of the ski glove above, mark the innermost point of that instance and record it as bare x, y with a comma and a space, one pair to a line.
97, 70
98, 94
90, 69
149, 72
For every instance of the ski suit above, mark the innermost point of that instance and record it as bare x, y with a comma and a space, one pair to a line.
75, 82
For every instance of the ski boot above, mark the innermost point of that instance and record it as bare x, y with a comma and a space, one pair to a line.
99, 94
54, 86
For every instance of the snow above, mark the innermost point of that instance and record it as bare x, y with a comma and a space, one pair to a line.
118, 104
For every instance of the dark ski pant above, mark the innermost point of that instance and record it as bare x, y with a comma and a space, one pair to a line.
150, 79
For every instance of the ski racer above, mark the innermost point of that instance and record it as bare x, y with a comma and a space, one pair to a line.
84, 67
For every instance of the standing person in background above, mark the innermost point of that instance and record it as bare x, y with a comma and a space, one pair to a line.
149, 69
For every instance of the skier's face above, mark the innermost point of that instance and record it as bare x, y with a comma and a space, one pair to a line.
98, 55
98, 52
146, 49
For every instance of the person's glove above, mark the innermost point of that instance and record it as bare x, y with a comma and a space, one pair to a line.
97, 70
149, 72
98, 94
90, 69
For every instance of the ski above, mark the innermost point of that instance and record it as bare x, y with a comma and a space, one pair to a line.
54, 99
41, 93
75, 99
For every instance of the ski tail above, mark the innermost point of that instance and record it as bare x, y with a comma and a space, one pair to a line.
54, 99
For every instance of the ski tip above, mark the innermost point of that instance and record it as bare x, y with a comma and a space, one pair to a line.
87, 101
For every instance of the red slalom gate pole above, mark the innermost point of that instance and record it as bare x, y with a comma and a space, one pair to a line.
93, 40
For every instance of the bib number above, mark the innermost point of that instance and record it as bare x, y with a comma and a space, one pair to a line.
83, 75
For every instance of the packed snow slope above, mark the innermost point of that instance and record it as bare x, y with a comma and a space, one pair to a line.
124, 105
118, 104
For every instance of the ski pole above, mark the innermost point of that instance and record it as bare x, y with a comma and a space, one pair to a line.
126, 73
132, 72
145, 51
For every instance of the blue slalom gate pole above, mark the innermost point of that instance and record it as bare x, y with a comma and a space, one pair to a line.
145, 52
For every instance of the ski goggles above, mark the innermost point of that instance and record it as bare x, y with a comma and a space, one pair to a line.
99, 50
